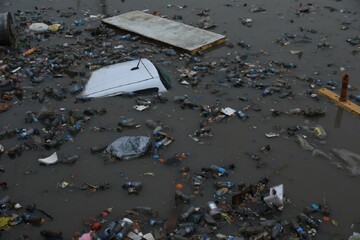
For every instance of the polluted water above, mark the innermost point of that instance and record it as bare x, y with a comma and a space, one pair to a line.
232, 141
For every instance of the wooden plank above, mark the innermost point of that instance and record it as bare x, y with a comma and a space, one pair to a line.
348, 105
179, 35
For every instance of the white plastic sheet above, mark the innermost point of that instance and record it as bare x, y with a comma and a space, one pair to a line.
52, 159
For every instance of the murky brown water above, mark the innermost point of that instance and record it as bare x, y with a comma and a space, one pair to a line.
307, 179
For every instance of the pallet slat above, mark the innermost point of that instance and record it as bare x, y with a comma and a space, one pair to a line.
348, 105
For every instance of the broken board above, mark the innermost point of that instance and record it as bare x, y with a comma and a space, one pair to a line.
179, 35
352, 107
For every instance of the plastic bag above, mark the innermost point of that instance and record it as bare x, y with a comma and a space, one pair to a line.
350, 158
355, 236
128, 147
303, 143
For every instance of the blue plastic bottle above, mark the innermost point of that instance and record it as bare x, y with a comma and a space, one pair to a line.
241, 114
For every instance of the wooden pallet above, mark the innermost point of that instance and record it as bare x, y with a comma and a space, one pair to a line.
348, 105
179, 35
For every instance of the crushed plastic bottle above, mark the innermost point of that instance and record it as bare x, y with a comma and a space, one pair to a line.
267, 91
289, 65
132, 187
125, 37
33, 220
169, 52
126, 224
295, 111
79, 22
128, 123
302, 233
184, 216
220, 184
179, 195
200, 68
354, 97
26, 134
219, 170
214, 210
69, 138
164, 142
109, 230
307, 220
241, 115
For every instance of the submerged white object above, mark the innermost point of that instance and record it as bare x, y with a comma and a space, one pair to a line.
39, 27
140, 107
228, 111
126, 77
276, 196
52, 159
148, 236
271, 135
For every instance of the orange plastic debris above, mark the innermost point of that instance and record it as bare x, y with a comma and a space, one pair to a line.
96, 226
30, 51
104, 213
4, 107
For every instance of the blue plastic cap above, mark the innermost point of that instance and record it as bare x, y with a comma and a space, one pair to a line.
315, 207
120, 235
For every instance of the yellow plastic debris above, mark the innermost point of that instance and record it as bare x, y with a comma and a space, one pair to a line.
54, 27
4, 222
63, 184
334, 222
149, 174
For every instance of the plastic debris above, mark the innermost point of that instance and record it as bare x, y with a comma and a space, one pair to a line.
275, 197
87, 236
39, 27
54, 27
206, 23
303, 143
351, 159
355, 236
63, 184
128, 147
228, 111
51, 62
4, 107
52, 159
140, 107
271, 135
319, 132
